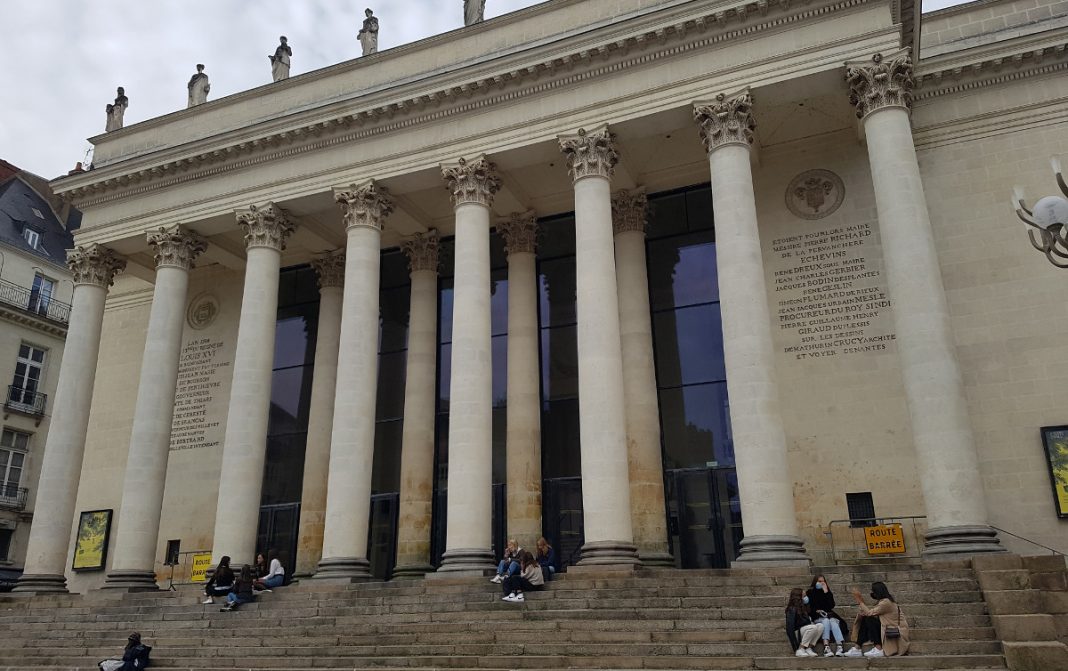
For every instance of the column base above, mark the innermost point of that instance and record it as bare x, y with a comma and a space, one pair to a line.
467, 561
353, 569
411, 571
952, 542
41, 583
131, 580
774, 550
656, 559
601, 553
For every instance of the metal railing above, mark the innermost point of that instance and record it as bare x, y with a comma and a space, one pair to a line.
850, 545
34, 302
13, 497
1028, 540
25, 401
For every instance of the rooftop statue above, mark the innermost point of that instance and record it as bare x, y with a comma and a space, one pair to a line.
198, 87
280, 60
368, 35
116, 110
473, 11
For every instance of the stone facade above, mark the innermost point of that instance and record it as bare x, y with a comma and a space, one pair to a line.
861, 345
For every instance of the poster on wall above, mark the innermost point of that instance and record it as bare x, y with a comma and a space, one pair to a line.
1055, 444
91, 546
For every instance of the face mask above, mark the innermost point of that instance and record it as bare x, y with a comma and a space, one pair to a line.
804, 600
820, 586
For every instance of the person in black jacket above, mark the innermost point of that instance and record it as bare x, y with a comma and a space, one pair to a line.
241, 591
134, 656
798, 621
821, 605
546, 557
221, 581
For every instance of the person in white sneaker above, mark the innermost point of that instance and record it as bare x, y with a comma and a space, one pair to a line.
883, 625
509, 565
821, 604
531, 579
221, 581
799, 621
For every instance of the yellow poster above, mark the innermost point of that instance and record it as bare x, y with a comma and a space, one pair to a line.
885, 539
199, 570
91, 546
1055, 439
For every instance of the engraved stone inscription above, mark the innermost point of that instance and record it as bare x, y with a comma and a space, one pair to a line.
830, 296
199, 382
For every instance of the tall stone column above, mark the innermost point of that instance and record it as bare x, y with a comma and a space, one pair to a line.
245, 443
648, 513
523, 438
330, 269
764, 480
881, 90
352, 442
469, 542
420, 399
94, 268
137, 537
591, 159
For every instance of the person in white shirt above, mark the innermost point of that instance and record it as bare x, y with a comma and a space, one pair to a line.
276, 575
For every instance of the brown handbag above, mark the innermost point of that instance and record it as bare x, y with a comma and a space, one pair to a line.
894, 631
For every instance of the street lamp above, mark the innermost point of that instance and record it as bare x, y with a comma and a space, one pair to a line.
1049, 219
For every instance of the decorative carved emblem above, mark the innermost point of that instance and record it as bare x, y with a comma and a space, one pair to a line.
728, 120
202, 311
590, 153
267, 226
422, 251
472, 181
880, 82
176, 247
520, 233
94, 264
364, 205
330, 269
815, 194
630, 211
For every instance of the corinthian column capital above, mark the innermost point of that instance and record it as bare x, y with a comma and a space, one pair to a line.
472, 181
520, 233
94, 264
726, 120
590, 153
364, 205
630, 211
880, 82
330, 269
268, 226
176, 247
422, 251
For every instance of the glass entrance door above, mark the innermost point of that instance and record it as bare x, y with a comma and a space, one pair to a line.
278, 531
705, 516
382, 534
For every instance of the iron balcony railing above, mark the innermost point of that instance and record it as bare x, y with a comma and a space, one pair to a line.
25, 401
12, 497
34, 302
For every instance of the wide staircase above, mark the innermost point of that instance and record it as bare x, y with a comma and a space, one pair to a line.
649, 619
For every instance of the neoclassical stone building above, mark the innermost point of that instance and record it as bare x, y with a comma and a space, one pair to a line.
641, 276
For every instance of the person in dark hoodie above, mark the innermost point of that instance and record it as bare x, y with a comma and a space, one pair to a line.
798, 621
242, 590
221, 581
134, 656
821, 605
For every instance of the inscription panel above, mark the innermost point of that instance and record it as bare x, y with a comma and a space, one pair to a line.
201, 372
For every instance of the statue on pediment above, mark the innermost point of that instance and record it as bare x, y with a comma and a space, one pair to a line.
368, 35
115, 110
474, 11
198, 86
280, 60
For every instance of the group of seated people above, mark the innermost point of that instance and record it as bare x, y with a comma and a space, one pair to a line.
243, 587
810, 616
520, 571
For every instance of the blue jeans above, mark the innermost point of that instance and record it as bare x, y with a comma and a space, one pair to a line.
831, 626
235, 599
511, 568
274, 581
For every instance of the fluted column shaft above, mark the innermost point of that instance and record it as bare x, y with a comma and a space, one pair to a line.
602, 424
764, 480
523, 447
94, 268
143, 486
948, 465
352, 442
330, 270
420, 398
647, 510
245, 441
468, 544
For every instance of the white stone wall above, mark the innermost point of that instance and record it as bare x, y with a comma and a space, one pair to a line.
988, 21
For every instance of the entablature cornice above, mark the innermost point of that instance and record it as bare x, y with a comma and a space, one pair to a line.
16, 316
675, 31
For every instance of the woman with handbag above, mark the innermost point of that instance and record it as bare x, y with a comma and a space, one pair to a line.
884, 625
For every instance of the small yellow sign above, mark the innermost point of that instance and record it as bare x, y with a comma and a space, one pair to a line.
885, 539
201, 564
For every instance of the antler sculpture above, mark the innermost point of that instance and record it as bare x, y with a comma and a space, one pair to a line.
1049, 219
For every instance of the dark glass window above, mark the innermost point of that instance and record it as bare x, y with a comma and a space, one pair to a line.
394, 302
861, 509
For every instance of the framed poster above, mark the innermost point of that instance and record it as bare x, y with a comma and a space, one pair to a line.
91, 545
1055, 444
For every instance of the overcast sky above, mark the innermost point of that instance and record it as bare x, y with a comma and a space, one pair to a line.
64, 58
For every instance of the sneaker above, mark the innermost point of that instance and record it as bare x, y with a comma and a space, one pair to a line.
508, 597
800, 653
497, 579
227, 608
827, 652
266, 590
208, 601
838, 652
854, 652
874, 652
520, 597
809, 652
